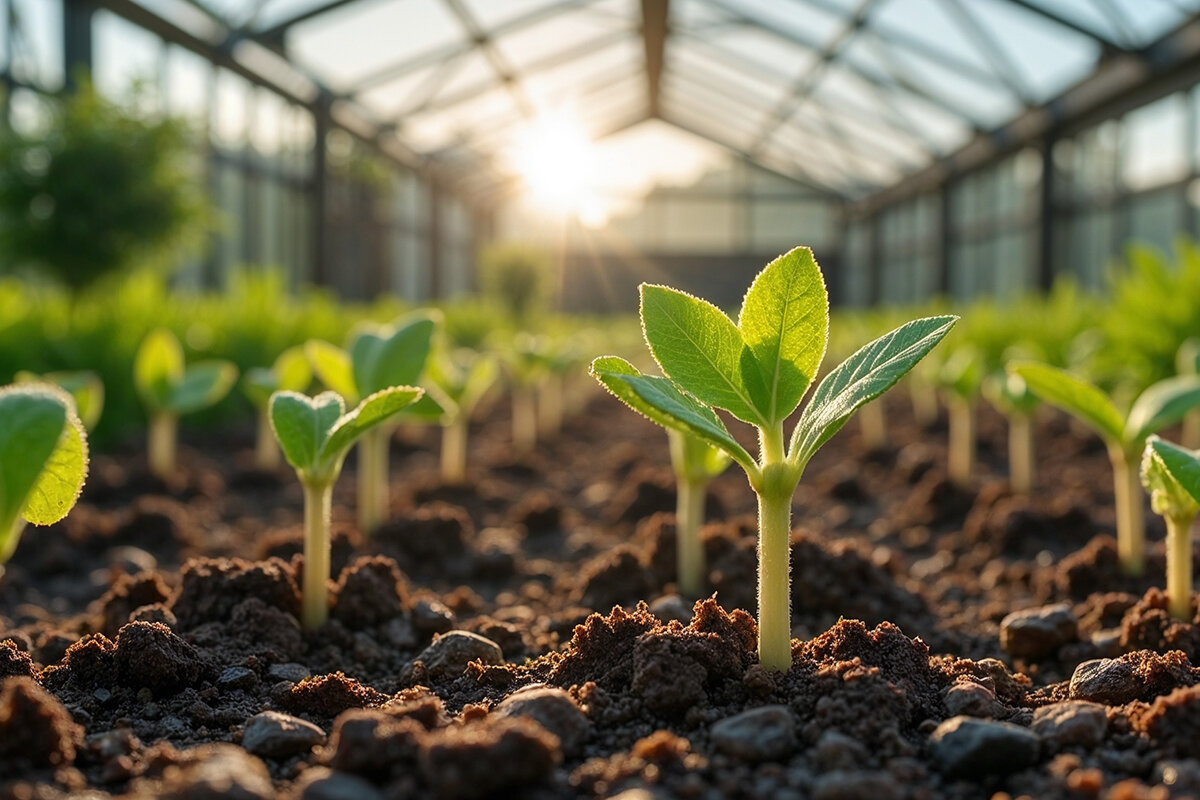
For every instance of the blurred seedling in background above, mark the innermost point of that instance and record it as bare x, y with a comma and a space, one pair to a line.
1009, 394
1187, 362
290, 373
526, 363
86, 390
1162, 404
758, 370
461, 379
1172, 476
961, 379
43, 460
315, 434
695, 463
169, 388
378, 357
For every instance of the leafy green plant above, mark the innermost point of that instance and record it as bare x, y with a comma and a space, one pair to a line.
758, 370
86, 390
98, 189
462, 379
695, 463
1172, 476
961, 379
290, 373
169, 388
315, 434
1162, 404
43, 460
518, 277
379, 357
1008, 393
526, 364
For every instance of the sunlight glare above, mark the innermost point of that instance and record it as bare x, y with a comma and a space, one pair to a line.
556, 161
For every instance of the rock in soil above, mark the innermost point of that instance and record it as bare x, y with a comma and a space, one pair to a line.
1072, 722
211, 771
487, 758
760, 734
554, 710
1038, 632
321, 783
450, 653
965, 746
271, 734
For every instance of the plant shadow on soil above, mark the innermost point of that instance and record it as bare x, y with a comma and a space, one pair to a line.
491, 640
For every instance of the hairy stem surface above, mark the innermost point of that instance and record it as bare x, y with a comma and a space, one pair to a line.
774, 579
1131, 525
689, 516
163, 433
1021, 465
1179, 566
315, 603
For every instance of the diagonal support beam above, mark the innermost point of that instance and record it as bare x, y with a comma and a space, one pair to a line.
654, 37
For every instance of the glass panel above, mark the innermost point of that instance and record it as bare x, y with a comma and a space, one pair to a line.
37, 55
1154, 148
1049, 57
187, 85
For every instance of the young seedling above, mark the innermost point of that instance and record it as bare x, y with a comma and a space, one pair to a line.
525, 365
1187, 362
1012, 397
86, 390
290, 373
1172, 476
43, 460
315, 434
378, 358
168, 388
462, 379
758, 370
1162, 404
695, 463
960, 378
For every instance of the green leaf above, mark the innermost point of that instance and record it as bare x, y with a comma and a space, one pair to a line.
333, 368
785, 323
157, 367
1163, 404
302, 425
963, 372
700, 348
374, 410
292, 371
259, 384
392, 356
204, 384
861, 378
426, 409
1175, 472
1073, 395
693, 458
32, 420
662, 401
61, 480
85, 388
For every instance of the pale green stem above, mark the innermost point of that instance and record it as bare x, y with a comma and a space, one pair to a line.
315, 602
550, 405
454, 452
1131, 525
774, 580
524, 420
1191, 430
1179, 566
873, 425
924, 402
8, 544
689, 516
373, 479
163, 432
1021, 465
962, 440
266, 448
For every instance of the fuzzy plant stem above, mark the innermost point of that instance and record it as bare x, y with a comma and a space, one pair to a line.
689, 516
373, 479
774, 556
315, 603
524, 420
164, 429
1021, 467
1179, 566
873, 425
454, 452
266, 449
962, 440
1131, 524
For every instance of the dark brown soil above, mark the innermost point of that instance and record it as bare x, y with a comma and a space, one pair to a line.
521, 636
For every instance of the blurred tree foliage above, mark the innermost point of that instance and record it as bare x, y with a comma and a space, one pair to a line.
519, 277
98, 189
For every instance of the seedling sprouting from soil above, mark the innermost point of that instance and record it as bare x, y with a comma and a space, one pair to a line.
1012, 397
290, 373
696, 463
315, 434
462, 379
1162, 404
1172, 476
378, 358
43, 460
525, 364
168, 388
86, 390
758, 370
961, 378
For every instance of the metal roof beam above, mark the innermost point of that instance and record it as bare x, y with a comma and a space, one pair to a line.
993, 51
654, 39
274, 35
504, 71
1106, 42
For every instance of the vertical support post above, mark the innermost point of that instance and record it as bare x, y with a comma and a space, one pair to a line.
211, 270
318, 188
874, 260
436, 252
77, 41
945, 258
6, 78
1045, 262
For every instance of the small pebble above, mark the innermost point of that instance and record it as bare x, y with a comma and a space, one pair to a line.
237, 678
1038, 632
554, 710
1072, 722
967, 746
971, 699
760, 734
450, 653
288, 672
272, 734
1104, 680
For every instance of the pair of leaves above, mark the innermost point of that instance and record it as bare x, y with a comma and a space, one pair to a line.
166, 384
1162, 404
759, 369
291, 372
1172, 476
85, 388
315, 433
43, 458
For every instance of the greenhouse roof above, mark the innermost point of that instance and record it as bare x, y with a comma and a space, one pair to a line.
849, 96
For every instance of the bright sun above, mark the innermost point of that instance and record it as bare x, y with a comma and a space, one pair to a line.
556, 161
